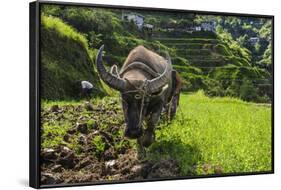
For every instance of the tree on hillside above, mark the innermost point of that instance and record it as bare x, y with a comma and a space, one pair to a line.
248, 91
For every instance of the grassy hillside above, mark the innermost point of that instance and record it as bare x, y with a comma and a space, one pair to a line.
65, 59
208, 136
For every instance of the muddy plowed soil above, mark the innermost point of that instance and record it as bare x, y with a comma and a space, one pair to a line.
93, 148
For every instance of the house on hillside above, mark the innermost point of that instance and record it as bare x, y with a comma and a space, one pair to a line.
204, 26
138, 19
148, 27
197, 28
208, 26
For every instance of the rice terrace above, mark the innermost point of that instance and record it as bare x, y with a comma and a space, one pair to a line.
222, 122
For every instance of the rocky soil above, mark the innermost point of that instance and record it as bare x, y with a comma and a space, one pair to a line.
92, 148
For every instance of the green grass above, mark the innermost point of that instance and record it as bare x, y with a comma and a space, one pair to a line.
64, 30
216, 135
98, 144
53, 135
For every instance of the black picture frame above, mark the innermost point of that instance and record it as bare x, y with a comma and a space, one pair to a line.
34, 98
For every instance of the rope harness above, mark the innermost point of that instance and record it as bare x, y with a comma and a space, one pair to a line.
142, 90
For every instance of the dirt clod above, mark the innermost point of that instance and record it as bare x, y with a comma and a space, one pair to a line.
85, 162
218, 169
49, 178
57, 168
54, 108
66, 137
109, 154
82, 139
82, 128
71, 131
164, 168
89, 106
67, 158
48, 154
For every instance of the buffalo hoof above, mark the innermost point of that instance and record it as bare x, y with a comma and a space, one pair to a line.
141, 154
148, 138
141, 150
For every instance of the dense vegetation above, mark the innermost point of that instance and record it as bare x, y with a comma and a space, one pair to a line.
222, 63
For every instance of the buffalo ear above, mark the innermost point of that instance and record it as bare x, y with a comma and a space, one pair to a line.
114, 71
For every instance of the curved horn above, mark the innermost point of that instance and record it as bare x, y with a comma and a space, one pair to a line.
108, 78
156, 84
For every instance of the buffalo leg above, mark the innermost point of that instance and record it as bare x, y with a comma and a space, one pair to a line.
141, 149
174, 104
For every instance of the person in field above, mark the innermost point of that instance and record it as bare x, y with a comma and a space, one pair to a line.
86, 88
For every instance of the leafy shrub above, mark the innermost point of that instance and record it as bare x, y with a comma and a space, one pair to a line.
98, 144
248, 91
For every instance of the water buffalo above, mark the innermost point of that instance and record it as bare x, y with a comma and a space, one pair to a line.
148, 85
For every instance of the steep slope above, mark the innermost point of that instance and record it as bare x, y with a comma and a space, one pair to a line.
212, 63
65, 60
